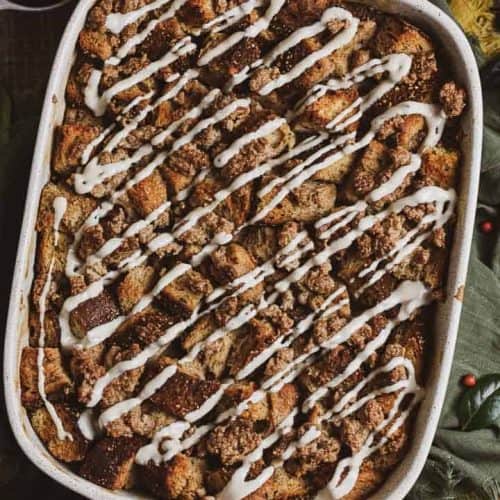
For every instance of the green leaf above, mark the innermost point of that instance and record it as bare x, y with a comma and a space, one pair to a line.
479, 407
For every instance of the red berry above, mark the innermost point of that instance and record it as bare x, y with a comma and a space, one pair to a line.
469, 380
487, 226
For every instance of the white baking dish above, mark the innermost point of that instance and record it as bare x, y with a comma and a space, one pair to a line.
423, 14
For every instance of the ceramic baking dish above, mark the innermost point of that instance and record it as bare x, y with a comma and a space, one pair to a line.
420, 12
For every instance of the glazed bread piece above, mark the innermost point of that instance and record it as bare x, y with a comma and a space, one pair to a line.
248, 219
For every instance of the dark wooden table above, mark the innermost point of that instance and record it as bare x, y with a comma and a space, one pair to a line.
28, 42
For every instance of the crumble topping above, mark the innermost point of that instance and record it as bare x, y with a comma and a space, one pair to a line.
248, 218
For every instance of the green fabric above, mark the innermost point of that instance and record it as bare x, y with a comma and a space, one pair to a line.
467, 464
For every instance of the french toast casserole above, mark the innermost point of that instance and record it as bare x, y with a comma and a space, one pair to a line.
247, 223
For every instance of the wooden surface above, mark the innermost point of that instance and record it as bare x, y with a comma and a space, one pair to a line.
28, 42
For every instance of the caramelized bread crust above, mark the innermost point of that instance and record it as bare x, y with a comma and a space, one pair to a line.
249, 216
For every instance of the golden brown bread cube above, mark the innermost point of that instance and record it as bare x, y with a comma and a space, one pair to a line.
353, 434
260, 332
184, 294
91, 241
215, 355
221, 69
92, 313
180, 478
110, 462
66, 450
125, 384
176, 181
336, 171
229, 262
77, 210
440, 167
162, 38
281, 485
260, 150
407, 132
282, 403
338, 63
453, 98
97, 44
361, 180
143, 327
57, 382
51, 328
149, 194
75, 87
189, 159
135, 285
232, 441
322, 111
183, 393
321, 372
49, 265
72, 140
323, 450
309, 202
260, 242
195, 13
236, 208
200, 331
397, 36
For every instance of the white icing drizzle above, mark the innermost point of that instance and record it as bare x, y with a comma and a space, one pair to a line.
341, 483
112, 244
410, 296
98, 103
231, 16
86, 424
251, 32
301, 166
189, 221
436, 121
323, 222
59, 206
287, 339
135, 40
238, 486
223, 158
338, 41
248, 312
194, 113
128, 404
396, 180
98, 140
427, 194
410, 242
343, 38
397, 67
196, 214
103, 331
219, 116
95, 173
116, 21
